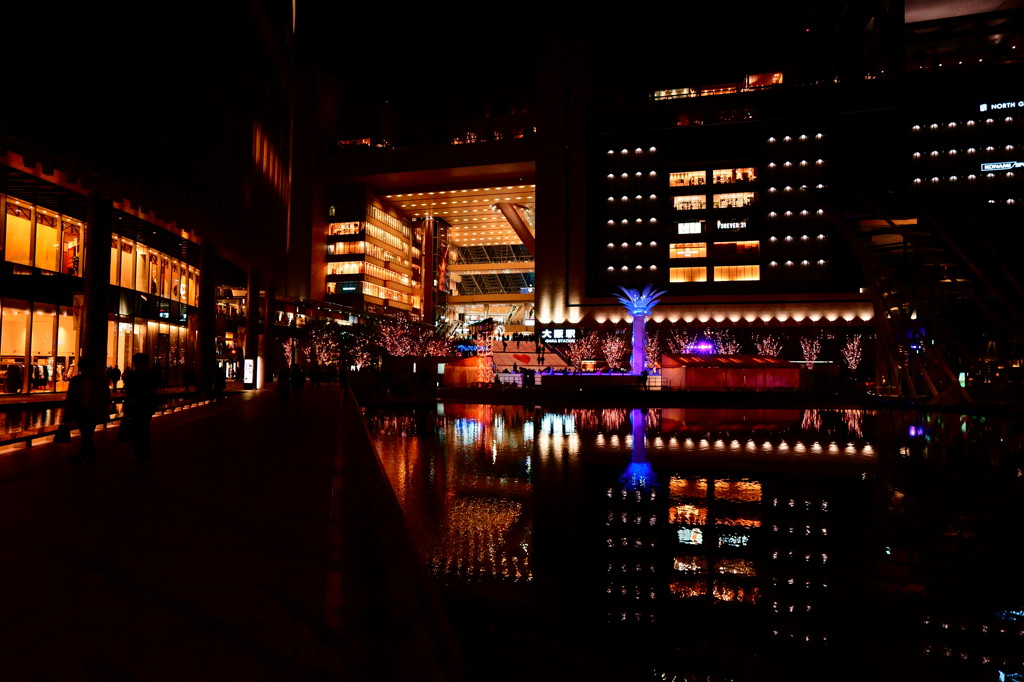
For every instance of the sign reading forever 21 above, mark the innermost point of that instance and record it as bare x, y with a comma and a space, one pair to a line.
996, 106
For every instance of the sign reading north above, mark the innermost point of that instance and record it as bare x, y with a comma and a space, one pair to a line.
996, 106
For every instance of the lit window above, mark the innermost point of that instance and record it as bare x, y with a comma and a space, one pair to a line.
734, 199
691, 227
688, 250
688, 274
734, 249
729, 176
691, 202
687, 178
737, 273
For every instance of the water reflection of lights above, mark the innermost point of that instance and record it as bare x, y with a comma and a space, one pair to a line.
476, 541
528, 430
553, 423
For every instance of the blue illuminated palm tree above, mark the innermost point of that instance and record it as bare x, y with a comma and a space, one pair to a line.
639, 304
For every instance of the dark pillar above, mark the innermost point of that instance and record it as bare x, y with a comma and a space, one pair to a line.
272, 358
206, 321
252, 328
429, 272
93, 339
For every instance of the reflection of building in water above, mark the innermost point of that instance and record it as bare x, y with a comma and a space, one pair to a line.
716, 522
635, 545
464, 499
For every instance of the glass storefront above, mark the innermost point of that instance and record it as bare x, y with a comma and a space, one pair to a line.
39, 340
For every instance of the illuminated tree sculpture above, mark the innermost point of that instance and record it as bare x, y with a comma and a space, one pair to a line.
583, 348
639, 305
852, 352
614, 347
769, 345
811, 347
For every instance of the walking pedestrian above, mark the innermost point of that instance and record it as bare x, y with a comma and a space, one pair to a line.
139, 405
284, 385
88, 404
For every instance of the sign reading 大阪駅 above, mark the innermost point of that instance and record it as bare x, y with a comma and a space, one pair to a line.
558, 335
1002, 165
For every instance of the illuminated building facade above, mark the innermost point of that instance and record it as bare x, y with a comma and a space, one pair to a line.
140, 183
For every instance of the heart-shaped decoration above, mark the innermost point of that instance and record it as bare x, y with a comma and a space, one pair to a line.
521, 358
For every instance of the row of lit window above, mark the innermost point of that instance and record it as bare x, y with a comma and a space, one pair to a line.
637, 221
806, 556
808, 504
635, 568
803, 163
801, 188
718, 249
964, 655
789, 238
696, 202
638, 197
638, 174
379, 214
371, 289
625, 245
956, 178
626, 517
359, 248
970, 150
721, 176
635, 543
363, 268
804, 263
802, 138
790, 214
969, 124
638, 150
721, 273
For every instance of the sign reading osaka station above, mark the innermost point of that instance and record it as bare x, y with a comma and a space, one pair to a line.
558, 335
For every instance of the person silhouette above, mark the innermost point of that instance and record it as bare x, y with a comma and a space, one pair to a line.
139, 405
88, 404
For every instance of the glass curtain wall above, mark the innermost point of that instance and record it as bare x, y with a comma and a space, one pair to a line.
39, 341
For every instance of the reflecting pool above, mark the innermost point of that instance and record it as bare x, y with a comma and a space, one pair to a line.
719, 544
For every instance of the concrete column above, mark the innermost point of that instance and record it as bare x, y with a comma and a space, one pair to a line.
96, 272
272, 359
206, 320
252, 325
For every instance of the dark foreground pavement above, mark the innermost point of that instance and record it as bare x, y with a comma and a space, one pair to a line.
262, 543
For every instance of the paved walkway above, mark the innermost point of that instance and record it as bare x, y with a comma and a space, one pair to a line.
262, 543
